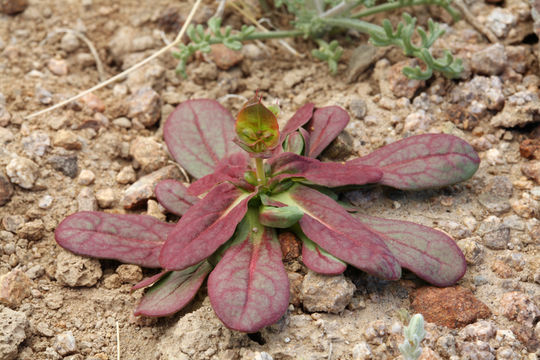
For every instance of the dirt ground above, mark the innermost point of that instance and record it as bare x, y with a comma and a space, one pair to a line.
56, 305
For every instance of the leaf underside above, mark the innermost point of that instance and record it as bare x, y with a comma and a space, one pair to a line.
318, 260
429, 253
332, 228
204, 227
424, 161
198, 134
325, 126
174, 197
249, 288
133, 239
173, 291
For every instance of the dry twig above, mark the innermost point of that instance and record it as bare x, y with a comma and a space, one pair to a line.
471, 19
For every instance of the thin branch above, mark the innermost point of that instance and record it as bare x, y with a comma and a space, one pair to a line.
473, 21
131, 69
117, 341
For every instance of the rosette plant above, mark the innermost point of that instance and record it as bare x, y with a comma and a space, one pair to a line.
254, 180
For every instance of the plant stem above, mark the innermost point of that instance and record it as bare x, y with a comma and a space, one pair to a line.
274, 34
259, 171
399, 4
360, 25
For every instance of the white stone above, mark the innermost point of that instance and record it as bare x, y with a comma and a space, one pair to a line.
23, 172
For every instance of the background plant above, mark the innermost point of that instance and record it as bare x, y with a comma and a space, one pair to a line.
317, 19
413, 333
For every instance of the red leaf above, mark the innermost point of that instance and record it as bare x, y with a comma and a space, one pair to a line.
317, 259
249, 288
325, 126
173, 291
336, 231
300, 117
331, 174
174, 197
424, 161
429, 253
204, 227
198, 134
149, 280
134, 239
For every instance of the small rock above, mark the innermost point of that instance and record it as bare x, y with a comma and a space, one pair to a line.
463, 117
489, 61
150, 76
73, 270
58, 66
452, 307
155, 210
418, 120
495, 196
326, 293
253, 52
32, 230
143, 189
520, 109
67, 139
112, 281
12, 7
86, 200
23, 172
126, 175
295, 288
130, 274
105, 198
290, 246
519, 59
446, 345
145, 106
44, 96
501, 269
69, 42
500, 21
122, 122
45, 202
358, 107
208, 72
532, 170
66, 164
362, 58
6, 136
6, 190
401, 85
5, 116
362, 351
13, 325
14, 288
224, 57
43, 329
36, 144
497, 239
93, 102
122, 43
35, 271
341, 148
64, 343
530, 149
517, 306
12, 223
476, 350
54, 301
428, 354
86, 177
484, 90
148, 154
142, 43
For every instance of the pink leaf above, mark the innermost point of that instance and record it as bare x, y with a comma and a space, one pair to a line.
249, 288
317, 259
204, 227
173, 291
424, 161
336, 231
173, 195
429, 253
330, 174
148, 281
301, 117
325, 126
134, 239
198, 134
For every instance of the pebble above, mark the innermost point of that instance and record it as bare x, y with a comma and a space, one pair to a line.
45, 202
112, 281
130, 274
142, 43
401, 85
35, 271
93, 102
517, 306
496, 194
86, 177
12, 7
290, 246
36, 144
341, 148
520, 109
154, 209
361, 351
6, 190
12, 223
73, 270
32, 230
14, 288
224, 57
364, 56
121, 43
453, 307
66, 164
126, 176
14, 325
54, 301
358, 108
446, 345
5, 116
148, 154
43, 329
497, 239
70, 42
58, 67
23, 172
326, 293
530, 149
122, 122
6, 136
485, 90
500, 21
476, 350
86, 200
253, 52
531, 170
44, 96
150, 76
295, 288
64, 343
490, 60
143, 189
105, 198
145, 106
67, 139
483, 330
495, 157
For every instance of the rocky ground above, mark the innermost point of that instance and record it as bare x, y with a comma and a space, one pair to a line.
105, 151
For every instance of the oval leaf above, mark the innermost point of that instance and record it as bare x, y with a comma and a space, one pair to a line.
325, 126
204, 227
430, 254
332, 228
249, 288
317, 259
174, 197
173, 291
424, 161
279, 217
198, 134
300, 118
134, 239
